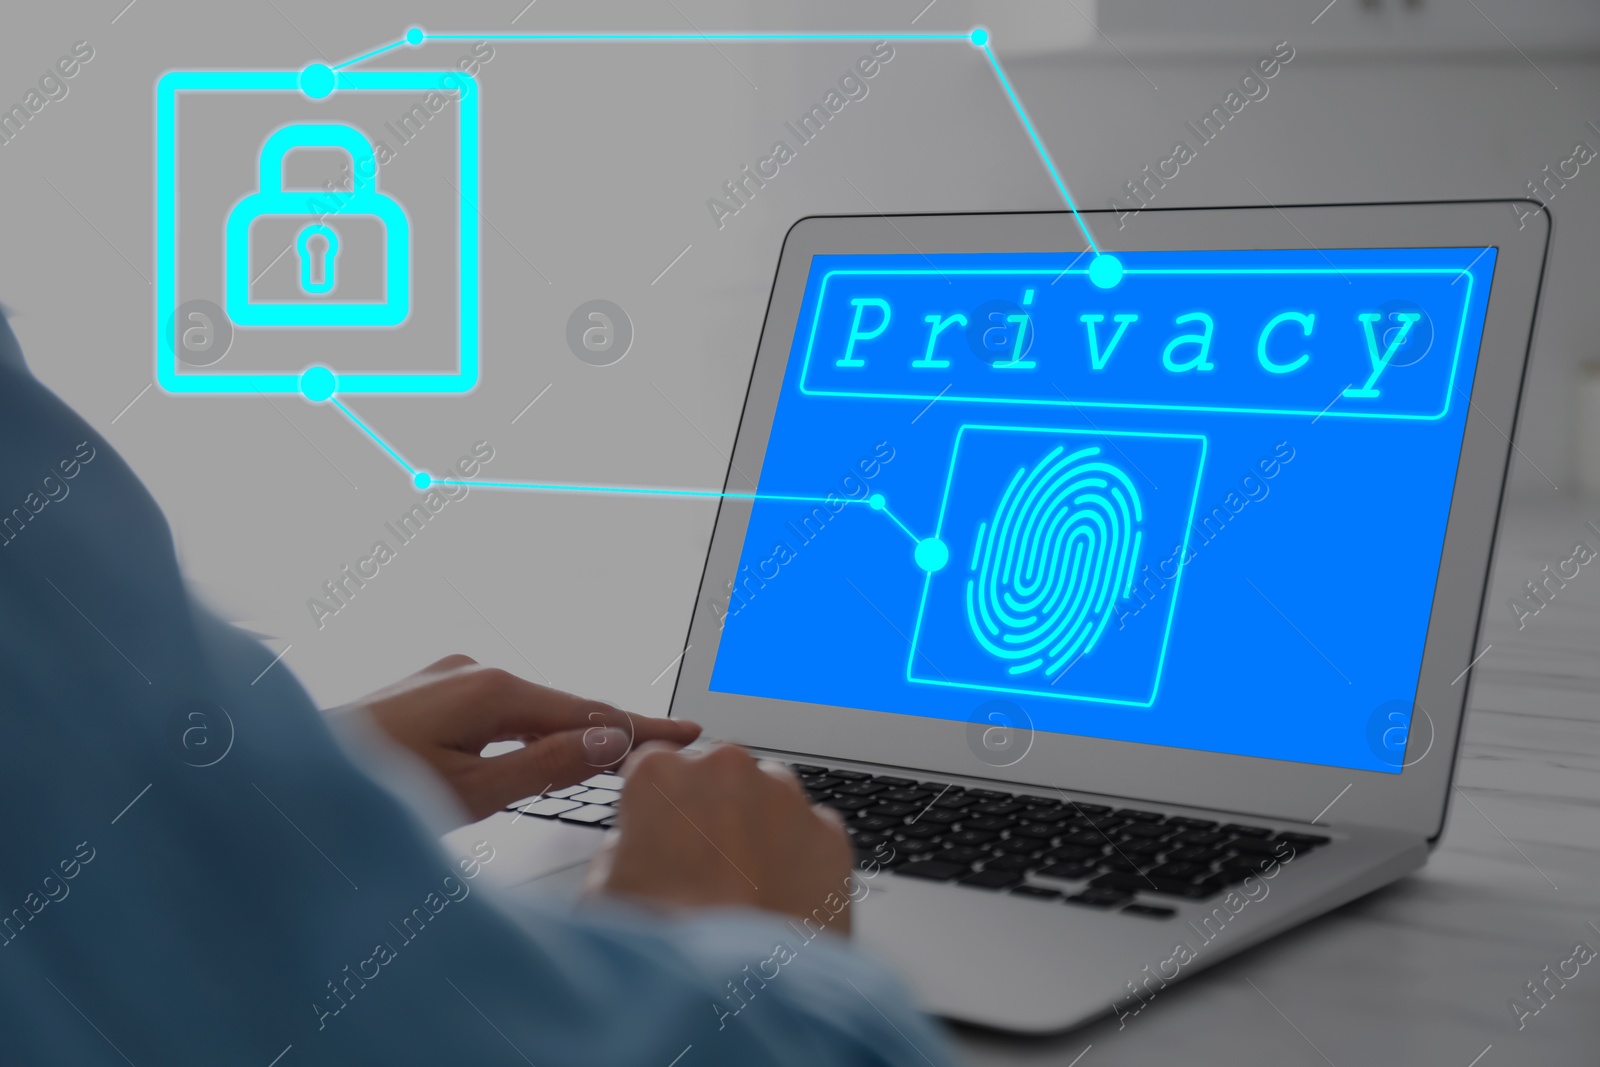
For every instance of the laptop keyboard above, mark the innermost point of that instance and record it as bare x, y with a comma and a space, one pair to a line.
1050, 849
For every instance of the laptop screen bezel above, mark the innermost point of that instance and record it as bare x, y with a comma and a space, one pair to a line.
1413, 800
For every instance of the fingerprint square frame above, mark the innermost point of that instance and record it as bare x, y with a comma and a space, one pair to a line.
468, 312
1177, 582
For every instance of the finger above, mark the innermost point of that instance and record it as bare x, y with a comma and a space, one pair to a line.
647, 728
453, 662
828, 815
643, 752
600, 865
781, 772
506, 706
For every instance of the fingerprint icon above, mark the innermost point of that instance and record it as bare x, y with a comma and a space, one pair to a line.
1049, 567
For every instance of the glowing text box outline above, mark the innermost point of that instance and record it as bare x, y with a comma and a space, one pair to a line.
1455, 362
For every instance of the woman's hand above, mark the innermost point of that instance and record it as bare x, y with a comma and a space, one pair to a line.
722, 829
447, 712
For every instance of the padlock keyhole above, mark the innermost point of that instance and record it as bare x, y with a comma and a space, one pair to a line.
318, 246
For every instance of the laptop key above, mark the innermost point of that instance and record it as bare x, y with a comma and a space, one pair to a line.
1304, 840
933, 870
1143, 830
954, 802
908, 796
1153, 911
850, 776
589, 813
1240, 830
1100, 898
921, 831
961, 854
1254, 847
1068, 872
848, 804
938, 817
1035, 829
859, 789
1195, 854
549, 807
987, 794
893, 783
992, 879
596, 796
1073, 853
1036, 891
1010, 863
807, 768
1140, 816
604, 781
1201, 837
893, 810
972, 837
1191, 824
998, 807
1181, 872
1021, 846
995, 823
1088, 809
874, 823
1139, 883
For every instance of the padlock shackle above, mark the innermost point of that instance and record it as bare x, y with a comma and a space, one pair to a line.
318, 135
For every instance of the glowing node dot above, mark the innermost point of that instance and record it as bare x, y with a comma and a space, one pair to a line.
414, 36
317, 81
318, 384
979, 37
422, 480
932, 554
1105, 271
876, 502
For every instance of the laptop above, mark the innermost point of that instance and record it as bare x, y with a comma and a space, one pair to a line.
1123, 603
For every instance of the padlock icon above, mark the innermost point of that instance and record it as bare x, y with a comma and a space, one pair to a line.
317, 242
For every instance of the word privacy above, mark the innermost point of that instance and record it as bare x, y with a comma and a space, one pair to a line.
1180, 334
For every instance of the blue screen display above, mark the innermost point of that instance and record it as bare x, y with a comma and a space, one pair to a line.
1200, 504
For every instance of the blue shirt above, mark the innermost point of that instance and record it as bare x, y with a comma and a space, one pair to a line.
195, 873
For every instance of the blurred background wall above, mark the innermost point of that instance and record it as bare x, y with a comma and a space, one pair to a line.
599, 161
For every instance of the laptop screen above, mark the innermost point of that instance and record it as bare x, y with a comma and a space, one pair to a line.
1195, 502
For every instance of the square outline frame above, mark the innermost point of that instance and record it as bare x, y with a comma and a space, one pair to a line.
1177, 583
1450, 385
469, 291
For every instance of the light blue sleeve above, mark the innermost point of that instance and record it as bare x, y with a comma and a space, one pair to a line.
195, 873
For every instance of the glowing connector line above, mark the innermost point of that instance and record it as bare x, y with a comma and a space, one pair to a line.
1038, 143
631, 490
977, 38
364, 428
556, 487
896, 520
697, 37
391, 46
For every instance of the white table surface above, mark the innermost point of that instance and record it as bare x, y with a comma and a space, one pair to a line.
1421, 973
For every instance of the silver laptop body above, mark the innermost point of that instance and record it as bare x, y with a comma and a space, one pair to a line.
1323, 794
